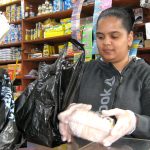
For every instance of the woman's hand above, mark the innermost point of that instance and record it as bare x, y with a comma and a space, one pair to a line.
126, 124
64, 118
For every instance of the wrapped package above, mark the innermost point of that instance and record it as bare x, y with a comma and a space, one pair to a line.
90, 125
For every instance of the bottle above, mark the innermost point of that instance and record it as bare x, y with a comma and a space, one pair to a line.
27, 35
43, 8
50, 8
46, 52
26, 11
31, 12
46, 3
40, 10
40, 31
32, 34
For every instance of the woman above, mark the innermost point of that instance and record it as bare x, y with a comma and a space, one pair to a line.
116, 84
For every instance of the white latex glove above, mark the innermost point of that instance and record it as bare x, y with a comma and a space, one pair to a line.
64, 118
126, 124
90, 125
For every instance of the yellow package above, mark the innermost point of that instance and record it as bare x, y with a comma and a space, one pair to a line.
67, 28
46, 50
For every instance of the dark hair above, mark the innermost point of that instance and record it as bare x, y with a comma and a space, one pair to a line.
125, 14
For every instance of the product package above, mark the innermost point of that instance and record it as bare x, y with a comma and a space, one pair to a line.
90, 125
138, 13
147, 27
100, 5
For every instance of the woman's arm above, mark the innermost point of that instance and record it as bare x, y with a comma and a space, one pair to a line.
143, 120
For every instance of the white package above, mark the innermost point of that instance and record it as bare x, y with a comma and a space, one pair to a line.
90, 125
147, 27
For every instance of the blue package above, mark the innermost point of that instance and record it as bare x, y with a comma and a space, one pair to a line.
57, 5
67, 4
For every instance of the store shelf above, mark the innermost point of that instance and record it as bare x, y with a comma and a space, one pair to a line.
144, 50
29, 78
139, 25
36, 2
16, 44
3, 6
52, 40
15, 22
51, 58
56, 15
5, 62
132, 3
87, 10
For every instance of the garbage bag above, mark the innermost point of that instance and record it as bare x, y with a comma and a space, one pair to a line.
38, 106
10, 137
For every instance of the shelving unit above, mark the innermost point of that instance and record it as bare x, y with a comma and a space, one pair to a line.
29, 23
11, 45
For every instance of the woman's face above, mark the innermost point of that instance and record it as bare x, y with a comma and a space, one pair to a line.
113, 39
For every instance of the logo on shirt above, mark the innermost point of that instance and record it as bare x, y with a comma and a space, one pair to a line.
105, 96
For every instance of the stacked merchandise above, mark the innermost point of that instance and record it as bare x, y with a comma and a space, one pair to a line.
48, 7
49, 28
14, 70
14, 34
13, 13
12, 53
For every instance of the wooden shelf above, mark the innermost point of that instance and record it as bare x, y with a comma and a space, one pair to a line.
15, 22
87, 9
144, 50
139, 25
56, 15
3, 6
52, 40
36, 2
5, 62
132, 3
16, 44
18, 77
29, 78
51, 58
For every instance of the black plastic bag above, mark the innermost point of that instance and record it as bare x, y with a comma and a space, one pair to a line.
37, 108
10, 137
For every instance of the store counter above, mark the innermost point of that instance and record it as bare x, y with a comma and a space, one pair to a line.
122, 144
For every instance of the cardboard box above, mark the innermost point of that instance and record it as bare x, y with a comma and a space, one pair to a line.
147, 43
